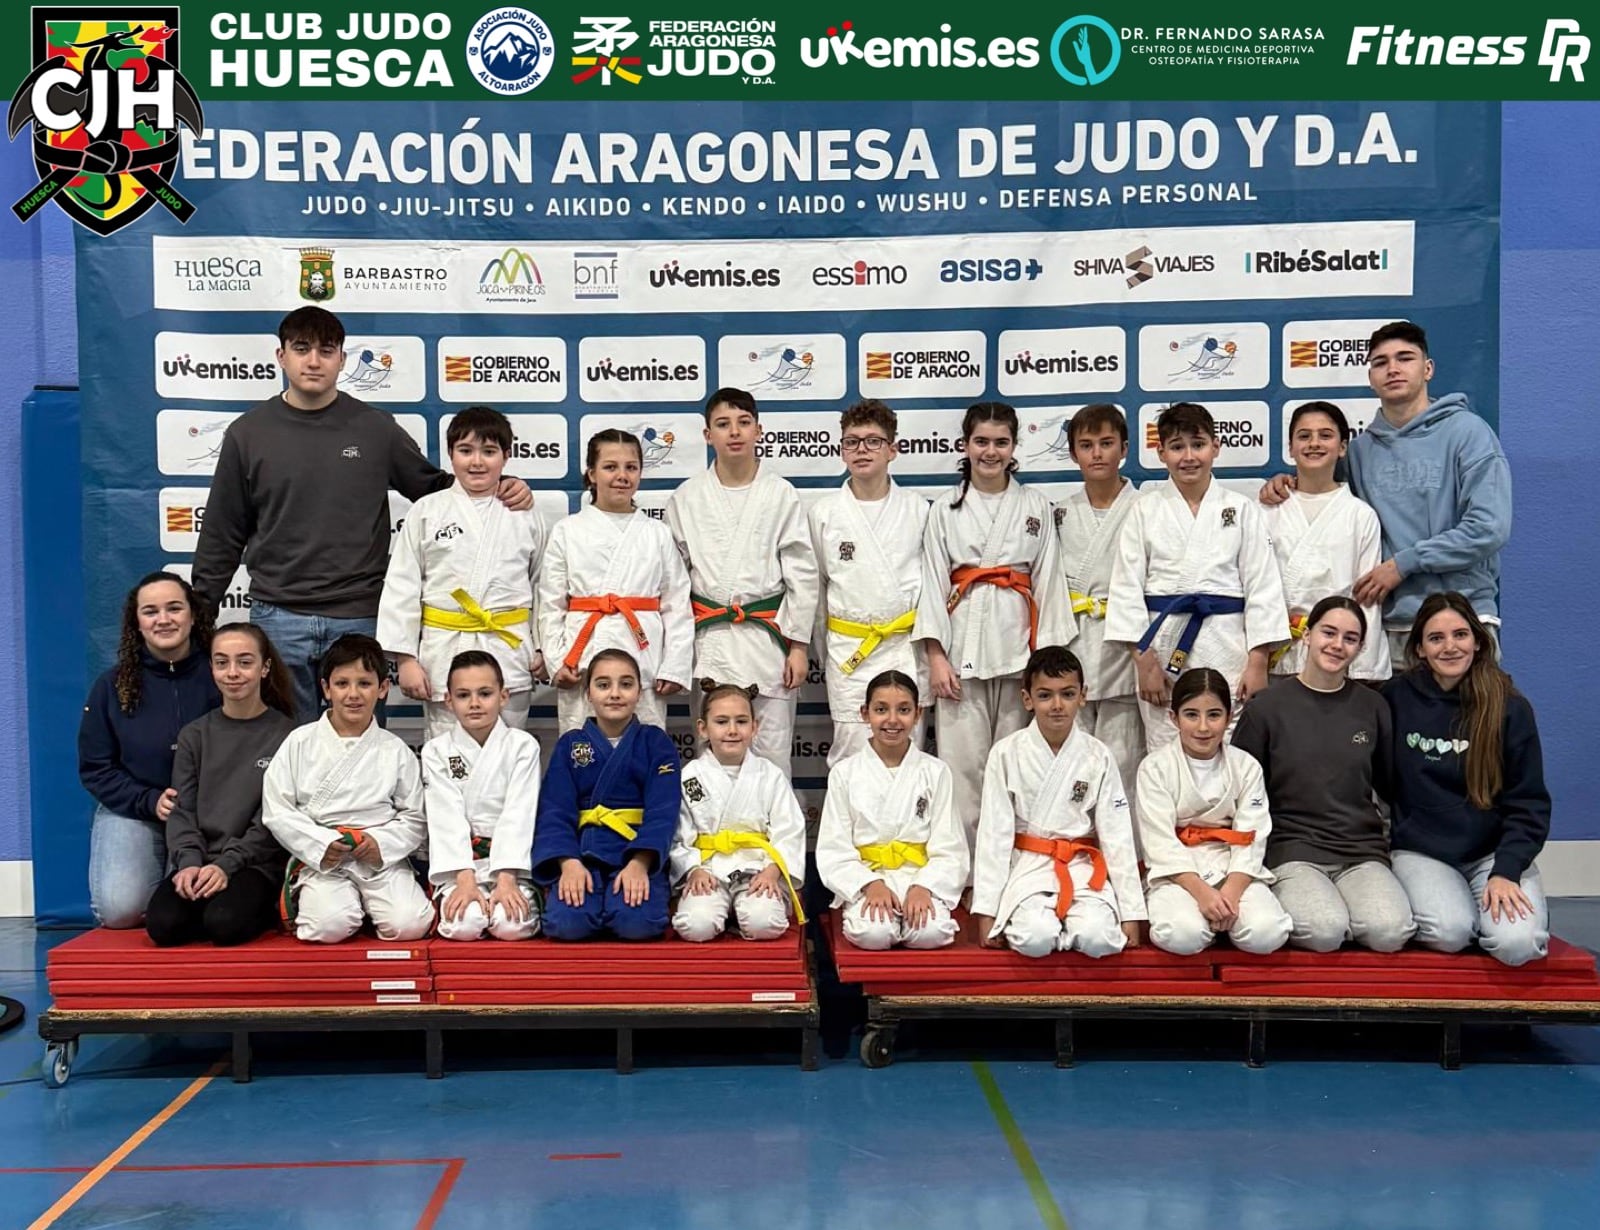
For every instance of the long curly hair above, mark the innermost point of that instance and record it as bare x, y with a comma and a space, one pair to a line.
130, 646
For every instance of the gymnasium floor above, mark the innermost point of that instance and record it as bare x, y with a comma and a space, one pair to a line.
1155, 1128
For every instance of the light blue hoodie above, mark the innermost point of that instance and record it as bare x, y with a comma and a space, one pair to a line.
1442, 491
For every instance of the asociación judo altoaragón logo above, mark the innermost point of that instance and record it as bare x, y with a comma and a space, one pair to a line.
510, 51
105, 102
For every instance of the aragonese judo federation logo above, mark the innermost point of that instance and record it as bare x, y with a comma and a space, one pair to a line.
105, 100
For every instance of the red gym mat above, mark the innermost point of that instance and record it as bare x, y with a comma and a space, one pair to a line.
1564, 957
125, 947
1440, 989
223, 988
369, 999
639, 987
1078, 986
619, 999
287, 971
728, 949
1504, 975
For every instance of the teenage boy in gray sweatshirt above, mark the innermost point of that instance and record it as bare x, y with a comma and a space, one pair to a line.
301, 496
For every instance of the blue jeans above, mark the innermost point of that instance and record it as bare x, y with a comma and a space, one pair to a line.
1446, 903
301, 641
127, 861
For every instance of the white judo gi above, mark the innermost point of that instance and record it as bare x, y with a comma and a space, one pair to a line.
895, 825
723, 814
869, 555
1223, 550
319, 783
593, 555
1324, 545
453, 547
1173, 807
1089, 539
988, 632
481, 805
744, 546
1074, 799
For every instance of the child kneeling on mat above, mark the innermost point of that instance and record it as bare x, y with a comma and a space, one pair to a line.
890, 845
741, 843
1054, 867
607, 813
482, 778
344, 797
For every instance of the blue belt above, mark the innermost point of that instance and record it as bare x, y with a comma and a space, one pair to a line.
1198, 607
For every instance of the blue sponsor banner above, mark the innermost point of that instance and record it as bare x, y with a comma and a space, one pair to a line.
583, 267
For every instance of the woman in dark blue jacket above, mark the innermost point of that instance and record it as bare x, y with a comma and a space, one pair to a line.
161, 682
1471, 811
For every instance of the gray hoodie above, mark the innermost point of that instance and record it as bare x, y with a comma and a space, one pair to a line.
1442, 491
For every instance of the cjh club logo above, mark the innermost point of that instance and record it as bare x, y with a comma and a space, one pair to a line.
105, 100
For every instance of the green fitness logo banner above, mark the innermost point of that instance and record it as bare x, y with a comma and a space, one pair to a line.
1079, 51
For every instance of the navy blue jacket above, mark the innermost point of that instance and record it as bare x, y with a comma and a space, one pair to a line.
586, 771
125, 759
1431, 812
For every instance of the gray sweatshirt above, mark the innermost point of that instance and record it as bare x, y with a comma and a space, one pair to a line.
217, 773
303, 497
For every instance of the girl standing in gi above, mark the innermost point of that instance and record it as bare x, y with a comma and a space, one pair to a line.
612, 578
993, 590
889, 845
1324, 537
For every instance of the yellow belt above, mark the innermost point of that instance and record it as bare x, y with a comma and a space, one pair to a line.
1088, 604
1297, 631
872, 635
474, 618
727, 841
623, 821
893, 855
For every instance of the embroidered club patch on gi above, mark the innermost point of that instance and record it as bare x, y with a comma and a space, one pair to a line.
1230, 518
1060, 516
582, 755
447, 532
693, 790
922, 806
847, 551
458, 768
1080, 791
1033, 527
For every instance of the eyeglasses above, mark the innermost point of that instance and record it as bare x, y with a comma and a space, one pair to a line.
856, 444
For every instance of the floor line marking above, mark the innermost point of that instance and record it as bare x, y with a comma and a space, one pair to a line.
342, 1163
441, 1193
113, 1159
1049, 1211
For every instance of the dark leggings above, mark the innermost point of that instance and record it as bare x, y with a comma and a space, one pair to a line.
236, 915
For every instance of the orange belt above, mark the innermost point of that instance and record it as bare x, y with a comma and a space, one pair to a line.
964, 578
1194, 835
599, 608
1063, 850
